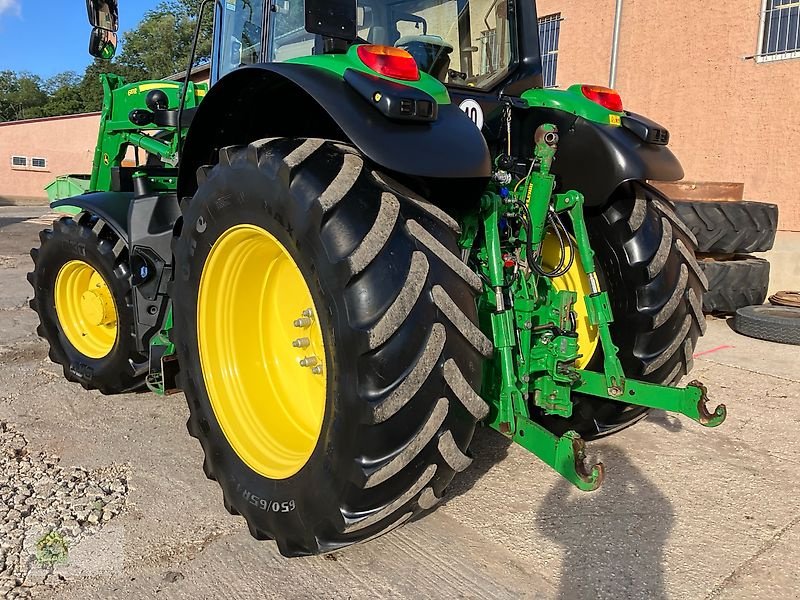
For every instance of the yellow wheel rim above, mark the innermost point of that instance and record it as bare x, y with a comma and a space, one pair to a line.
261, 351
574, 280
85, 308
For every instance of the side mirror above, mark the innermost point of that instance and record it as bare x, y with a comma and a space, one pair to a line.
103, 14
102, 43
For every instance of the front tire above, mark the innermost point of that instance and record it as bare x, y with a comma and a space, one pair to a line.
82, 294
402, 352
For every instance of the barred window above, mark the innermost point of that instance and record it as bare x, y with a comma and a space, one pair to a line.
39, 163
780, 30
549, 32
19, 161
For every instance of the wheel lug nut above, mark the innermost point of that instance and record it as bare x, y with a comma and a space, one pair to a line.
308, 361
317, 370
308, 313
302, 322
301, 343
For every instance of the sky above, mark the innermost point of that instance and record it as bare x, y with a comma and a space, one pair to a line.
63, 29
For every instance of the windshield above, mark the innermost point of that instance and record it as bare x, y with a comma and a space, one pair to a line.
461, 42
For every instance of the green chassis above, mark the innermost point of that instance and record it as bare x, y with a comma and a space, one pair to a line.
528, 320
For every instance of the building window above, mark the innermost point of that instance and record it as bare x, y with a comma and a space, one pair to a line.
549, 32
780, 30
39, 163
19, 162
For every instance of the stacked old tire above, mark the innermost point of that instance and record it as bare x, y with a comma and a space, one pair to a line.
728, 233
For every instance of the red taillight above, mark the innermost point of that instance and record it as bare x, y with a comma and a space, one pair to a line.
603, 96
390, 61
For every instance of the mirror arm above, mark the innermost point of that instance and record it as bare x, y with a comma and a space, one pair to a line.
187, 79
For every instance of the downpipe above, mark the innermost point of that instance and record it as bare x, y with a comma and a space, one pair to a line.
612, 77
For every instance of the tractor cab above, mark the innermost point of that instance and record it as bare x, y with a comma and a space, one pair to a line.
471, 43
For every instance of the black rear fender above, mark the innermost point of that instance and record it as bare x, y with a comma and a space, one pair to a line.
596, 159
289, 100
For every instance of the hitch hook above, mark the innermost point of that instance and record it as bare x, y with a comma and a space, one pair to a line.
704, 417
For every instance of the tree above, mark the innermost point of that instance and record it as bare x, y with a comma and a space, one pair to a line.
64, 97
160, 45
21, 96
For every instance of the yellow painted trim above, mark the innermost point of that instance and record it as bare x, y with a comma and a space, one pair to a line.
267, 396
85, 309
146, 87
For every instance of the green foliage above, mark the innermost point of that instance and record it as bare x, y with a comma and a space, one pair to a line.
21, 96
157, 47
162, 42
52, 549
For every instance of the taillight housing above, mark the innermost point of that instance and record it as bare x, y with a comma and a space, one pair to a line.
389, 61
603, 96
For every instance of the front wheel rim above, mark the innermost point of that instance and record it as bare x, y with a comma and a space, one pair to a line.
85, 307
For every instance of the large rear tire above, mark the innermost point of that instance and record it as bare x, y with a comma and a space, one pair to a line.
645, 255
402, 353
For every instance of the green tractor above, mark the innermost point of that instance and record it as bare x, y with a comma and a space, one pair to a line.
375, 231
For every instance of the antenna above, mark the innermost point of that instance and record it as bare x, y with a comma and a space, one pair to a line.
189, 72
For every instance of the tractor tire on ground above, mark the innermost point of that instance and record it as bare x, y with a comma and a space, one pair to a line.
402, 356
77, 251
730, 227
733, 284
771, 323
645, 256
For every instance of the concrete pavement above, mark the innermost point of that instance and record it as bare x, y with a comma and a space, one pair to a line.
684, 512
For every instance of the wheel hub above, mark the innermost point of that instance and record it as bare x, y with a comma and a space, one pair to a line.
85, 308
97, 307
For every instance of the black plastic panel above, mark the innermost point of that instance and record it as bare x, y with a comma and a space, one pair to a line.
112, 207
595, 159
242, 108
394, 100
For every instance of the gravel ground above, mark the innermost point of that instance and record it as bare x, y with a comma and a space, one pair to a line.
47, 510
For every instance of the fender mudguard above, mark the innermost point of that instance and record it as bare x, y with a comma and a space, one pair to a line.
595, 159
292, 100
111, 207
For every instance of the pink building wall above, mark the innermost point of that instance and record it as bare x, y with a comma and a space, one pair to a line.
66, 143
685, 65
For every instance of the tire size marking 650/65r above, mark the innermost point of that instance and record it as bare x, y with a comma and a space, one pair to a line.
268, 505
